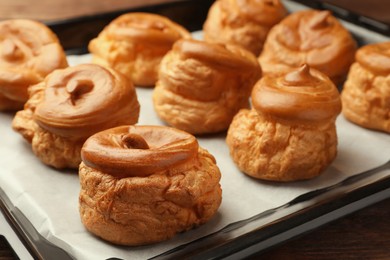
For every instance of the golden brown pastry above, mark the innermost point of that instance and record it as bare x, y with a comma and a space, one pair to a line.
243, 22
366, 93
69, 106
203, 85
144, 184
290, 132
134, 45
309, 37
29, 51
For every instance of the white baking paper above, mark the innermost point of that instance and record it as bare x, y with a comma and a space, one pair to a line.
49, 198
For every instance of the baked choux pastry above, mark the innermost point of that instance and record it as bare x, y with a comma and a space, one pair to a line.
29, 51
143, 184
366, 93
69, 106
290, 133
134, 45
203, 85
310, 37
243, 22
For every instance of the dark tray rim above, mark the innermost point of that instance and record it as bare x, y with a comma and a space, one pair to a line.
224, 243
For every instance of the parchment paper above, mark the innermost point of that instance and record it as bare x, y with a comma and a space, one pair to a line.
49, 198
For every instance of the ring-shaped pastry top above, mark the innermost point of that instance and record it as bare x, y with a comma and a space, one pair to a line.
144, 184
29, 51
127, 151
69, 106
82, 100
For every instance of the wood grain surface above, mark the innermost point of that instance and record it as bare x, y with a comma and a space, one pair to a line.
54, 10
362, 235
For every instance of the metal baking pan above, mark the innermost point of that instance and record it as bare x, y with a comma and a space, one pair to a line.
243, 237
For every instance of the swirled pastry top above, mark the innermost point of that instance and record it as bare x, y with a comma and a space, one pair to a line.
151, 28
128, 151
223, 55
303, 95
267, 12
375, 57
29, 50
316, 38
82, 100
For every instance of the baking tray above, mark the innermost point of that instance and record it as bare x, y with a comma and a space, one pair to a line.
313, 207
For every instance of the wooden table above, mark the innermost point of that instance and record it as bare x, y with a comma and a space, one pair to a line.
361, 235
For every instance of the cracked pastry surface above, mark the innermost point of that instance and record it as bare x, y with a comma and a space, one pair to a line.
134, 44
366, 93
310, 37
69, 106
243, 22
203, 85
144, 184
29, 51
290, 133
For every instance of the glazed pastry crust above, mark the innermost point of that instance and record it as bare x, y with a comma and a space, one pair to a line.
309, 37
29, 52
193, 116
61, 149
161, 204
57, 151
142, 71
245, 23
199, 94
366, 98
266, 149
23, 122
51, 149
134, 45
290, 132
